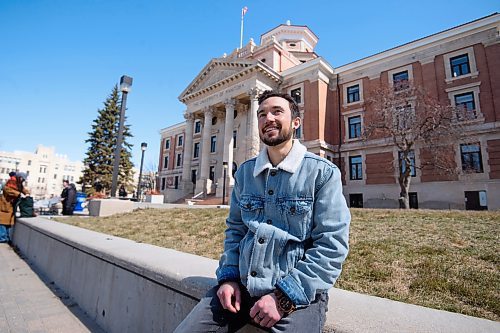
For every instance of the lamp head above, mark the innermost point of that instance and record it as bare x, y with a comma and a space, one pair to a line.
144, 146
125, 83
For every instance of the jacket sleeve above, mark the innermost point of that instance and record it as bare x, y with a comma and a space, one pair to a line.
229, 262
322, 262
10, 193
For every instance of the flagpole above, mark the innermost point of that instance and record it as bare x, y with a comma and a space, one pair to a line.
241, 30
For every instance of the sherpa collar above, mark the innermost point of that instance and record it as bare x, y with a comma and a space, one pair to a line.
290, 164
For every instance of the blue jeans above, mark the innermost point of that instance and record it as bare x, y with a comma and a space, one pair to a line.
209, 316
5, 233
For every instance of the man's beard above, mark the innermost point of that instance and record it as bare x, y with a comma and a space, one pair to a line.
282, 137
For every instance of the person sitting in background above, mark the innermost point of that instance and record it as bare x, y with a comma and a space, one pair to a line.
122, 192
14, 189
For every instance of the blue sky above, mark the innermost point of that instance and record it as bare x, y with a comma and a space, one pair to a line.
59, 59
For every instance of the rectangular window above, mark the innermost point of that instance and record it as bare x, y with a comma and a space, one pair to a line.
165, 162
411, 156
400, 80
234, 138
29, 162
356, 167
55, 176
211, 174
353, 93
163, 179
167, 144
296, 95
471, 157
196, 150
180, 141
213, 143
466, 105
197, 126
460, 65
179, 160
354, 127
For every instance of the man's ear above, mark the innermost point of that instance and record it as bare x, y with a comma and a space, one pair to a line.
296, 123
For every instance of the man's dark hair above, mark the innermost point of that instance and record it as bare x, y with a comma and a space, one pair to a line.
293, 105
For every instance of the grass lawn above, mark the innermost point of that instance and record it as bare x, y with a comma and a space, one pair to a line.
447, 260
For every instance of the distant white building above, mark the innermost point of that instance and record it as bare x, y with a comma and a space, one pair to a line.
46, 170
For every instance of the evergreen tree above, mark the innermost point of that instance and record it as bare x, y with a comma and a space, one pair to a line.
102, 143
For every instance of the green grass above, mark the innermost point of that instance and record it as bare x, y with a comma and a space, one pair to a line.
446, 260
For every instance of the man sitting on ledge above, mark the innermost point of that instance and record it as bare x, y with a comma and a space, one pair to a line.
286, 238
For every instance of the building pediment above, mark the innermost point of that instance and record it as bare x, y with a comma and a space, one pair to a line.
221, 71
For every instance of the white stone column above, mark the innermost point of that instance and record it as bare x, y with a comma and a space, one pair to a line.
187, 184
204, 183
253, 146
228, 149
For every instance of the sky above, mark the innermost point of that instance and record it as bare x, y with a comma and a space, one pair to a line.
60, 59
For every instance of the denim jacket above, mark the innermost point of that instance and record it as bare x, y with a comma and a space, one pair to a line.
288, 226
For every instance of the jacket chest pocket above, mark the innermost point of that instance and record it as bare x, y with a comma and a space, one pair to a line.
251, 208
298, 214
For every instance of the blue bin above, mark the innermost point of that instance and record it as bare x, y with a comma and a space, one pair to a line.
80, 199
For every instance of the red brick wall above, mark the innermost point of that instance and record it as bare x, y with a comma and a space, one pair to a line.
380, 168
493, 149
493, 62
431, 173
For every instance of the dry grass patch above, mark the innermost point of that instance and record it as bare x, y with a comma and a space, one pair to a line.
446, 260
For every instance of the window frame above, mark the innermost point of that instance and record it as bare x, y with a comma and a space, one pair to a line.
469, 51
463, 89
392, 72
358, 175
180, 140
165, 161
348, 85
197, 126
413, 169
460, 65
357, 126
354, 94
213, 144
196, 150
167, 143
465, 164
294, 87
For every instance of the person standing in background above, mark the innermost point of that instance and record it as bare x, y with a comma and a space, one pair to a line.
68, 198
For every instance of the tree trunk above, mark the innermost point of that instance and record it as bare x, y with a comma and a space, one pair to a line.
404, 185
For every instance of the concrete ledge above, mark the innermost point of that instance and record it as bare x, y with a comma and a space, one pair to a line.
134, 287
107, 207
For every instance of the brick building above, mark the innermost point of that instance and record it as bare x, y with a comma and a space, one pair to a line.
459, 66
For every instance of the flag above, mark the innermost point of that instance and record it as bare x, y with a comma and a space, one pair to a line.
243, 11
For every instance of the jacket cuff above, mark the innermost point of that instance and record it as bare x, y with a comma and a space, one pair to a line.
294, 291
228, 274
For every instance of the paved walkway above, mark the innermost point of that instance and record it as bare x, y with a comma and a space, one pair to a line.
28, 304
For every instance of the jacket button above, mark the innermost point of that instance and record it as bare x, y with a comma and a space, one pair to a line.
253, 273
292, 210
270, 192
269, 222
248, 206
261, 240
273, 173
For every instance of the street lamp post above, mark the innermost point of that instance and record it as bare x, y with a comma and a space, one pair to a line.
224, 165
125, 84
144, 145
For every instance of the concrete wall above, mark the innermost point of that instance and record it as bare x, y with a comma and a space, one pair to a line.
132, 287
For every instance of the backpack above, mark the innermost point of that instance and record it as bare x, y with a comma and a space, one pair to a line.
25, 206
